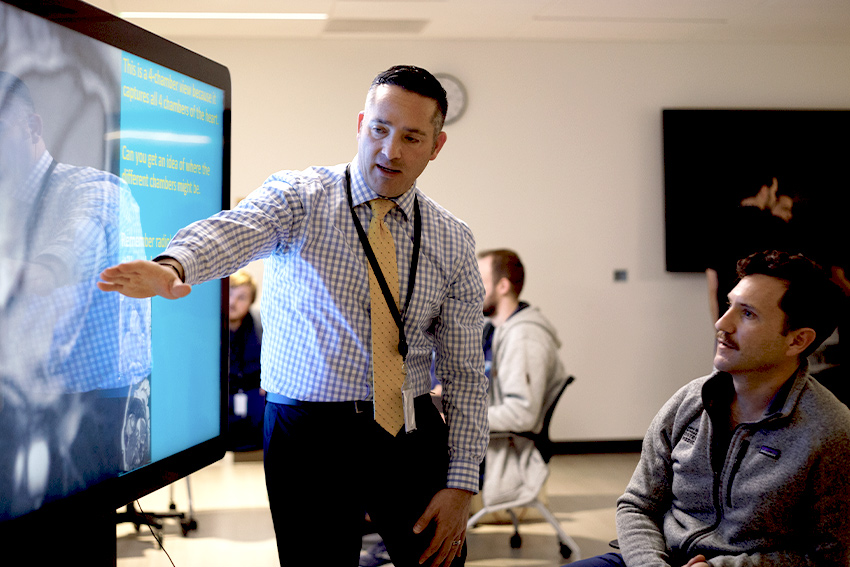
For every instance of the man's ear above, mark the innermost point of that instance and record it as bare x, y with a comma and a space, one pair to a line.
438, 145
503, 286
36, 127
359, 122
800, 340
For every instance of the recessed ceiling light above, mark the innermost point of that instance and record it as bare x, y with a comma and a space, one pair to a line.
224, 15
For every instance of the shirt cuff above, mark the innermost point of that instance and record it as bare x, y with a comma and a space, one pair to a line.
182, 258
465, 476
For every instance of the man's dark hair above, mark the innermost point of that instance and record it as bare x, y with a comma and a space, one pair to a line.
416, 80
506, 264
810, 299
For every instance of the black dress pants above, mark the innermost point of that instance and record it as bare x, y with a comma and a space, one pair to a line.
327, 466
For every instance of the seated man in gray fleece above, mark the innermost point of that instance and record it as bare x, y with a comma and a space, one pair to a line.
748, 466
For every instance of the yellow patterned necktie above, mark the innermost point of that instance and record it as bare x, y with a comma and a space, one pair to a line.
387, 363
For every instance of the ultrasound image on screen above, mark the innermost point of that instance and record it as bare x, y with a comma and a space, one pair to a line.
103, 156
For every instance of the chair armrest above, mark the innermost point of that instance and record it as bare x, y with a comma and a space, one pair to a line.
502, 434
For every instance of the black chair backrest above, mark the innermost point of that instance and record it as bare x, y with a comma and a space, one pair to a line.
541, 440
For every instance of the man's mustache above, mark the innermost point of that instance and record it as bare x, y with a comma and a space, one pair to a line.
725, 338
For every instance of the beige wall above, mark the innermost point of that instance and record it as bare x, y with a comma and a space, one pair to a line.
559, 156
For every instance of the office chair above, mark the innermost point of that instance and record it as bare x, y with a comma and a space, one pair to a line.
544, 446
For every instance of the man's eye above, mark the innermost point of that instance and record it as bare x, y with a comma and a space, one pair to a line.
748, 314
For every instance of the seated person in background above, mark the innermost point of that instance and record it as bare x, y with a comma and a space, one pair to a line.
246, 397
525, 375
748, 466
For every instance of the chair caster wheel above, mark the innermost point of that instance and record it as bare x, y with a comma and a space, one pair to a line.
516, 541
188, 526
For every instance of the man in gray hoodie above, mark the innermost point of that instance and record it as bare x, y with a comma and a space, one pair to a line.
748, 466
521, 353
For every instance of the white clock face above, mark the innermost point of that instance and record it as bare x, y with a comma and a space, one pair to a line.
456, 95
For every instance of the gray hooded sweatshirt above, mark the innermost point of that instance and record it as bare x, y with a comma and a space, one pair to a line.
526, 376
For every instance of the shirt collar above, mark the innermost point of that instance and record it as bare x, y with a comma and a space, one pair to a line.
718, 391
361, 192
522, 305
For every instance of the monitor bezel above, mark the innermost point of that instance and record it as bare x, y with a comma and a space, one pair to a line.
113, 493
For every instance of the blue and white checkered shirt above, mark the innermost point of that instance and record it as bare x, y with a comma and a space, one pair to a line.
72, 337
316, 304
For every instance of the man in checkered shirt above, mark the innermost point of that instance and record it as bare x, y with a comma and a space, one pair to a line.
327, 462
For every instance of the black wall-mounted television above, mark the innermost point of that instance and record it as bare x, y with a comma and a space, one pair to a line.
111, 139
716, 158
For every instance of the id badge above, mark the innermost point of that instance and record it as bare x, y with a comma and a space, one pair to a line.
409, 411
240, 404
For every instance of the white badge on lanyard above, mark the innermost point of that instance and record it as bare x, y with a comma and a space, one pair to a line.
409, 412
407, 401
240, 404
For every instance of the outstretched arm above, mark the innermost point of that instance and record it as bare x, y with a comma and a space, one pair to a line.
144, 278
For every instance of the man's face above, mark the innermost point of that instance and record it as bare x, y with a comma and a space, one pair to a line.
396, 139
749, 335
485, 266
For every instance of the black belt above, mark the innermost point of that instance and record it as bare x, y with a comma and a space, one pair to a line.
355, 406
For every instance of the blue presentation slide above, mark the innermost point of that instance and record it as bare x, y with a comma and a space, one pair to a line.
171, 158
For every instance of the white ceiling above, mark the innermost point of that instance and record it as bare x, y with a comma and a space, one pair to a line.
795, 21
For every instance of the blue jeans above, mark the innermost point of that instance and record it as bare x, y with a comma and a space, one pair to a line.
607, 560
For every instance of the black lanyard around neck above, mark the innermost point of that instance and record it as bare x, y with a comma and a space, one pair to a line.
376, 268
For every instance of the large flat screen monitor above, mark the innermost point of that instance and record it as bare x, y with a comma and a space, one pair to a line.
716, 162
111, 139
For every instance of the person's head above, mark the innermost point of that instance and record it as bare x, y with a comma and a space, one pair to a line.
21, 143
416, 80
783, 307
243, 292
503, 276
400, 129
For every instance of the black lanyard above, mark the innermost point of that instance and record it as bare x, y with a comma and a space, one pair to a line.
376, 268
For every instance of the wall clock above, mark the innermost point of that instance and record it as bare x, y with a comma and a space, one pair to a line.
456, 94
